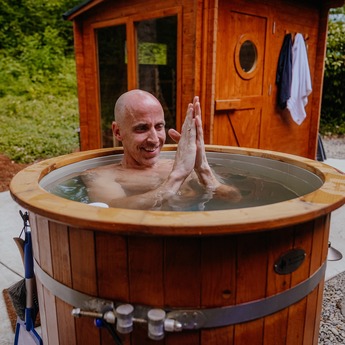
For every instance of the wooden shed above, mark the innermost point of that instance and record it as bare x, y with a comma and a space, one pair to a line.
225, 51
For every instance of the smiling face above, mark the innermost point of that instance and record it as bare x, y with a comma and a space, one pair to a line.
140, 126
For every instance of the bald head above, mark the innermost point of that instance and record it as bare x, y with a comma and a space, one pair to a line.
132, 102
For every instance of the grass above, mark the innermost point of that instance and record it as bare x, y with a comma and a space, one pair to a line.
41, 122
39, 128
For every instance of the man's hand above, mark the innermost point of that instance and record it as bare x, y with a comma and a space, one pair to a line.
186, 149
174, 135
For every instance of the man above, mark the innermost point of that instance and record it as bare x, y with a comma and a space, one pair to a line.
142, 180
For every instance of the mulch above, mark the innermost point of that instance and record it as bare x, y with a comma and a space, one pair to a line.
8, 169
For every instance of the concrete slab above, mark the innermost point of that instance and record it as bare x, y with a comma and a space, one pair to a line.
11, 266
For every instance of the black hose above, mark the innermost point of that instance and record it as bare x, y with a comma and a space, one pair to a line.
113, 333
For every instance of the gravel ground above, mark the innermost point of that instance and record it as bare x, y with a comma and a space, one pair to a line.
332, 326
334, 147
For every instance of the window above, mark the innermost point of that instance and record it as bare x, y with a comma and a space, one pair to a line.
112, 75
155, 69
246, 57
156, 58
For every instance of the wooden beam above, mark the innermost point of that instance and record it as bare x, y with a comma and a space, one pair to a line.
239, 103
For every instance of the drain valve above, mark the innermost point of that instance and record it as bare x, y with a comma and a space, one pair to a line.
156, 319
124, 314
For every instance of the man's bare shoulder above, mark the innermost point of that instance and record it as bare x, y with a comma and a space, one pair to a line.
101, 171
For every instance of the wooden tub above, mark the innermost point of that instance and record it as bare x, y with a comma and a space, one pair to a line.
244, 276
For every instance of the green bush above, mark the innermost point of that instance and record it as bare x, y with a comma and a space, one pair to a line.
38, 112
333, 100
38, 116
38, 128
21, 19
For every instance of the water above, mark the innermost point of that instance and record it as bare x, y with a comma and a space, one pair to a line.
257, 184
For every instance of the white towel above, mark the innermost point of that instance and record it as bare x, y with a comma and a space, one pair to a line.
301, 81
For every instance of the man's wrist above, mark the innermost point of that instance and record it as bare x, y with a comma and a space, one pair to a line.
172, 184
206, 177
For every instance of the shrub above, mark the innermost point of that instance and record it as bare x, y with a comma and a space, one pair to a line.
333, 100
38, 102
38, 128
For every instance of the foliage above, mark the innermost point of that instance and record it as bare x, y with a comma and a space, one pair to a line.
20, 19
333, 101
38, 102
38, 116
39, 128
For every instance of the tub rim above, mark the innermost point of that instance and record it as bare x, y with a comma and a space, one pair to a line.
27, 192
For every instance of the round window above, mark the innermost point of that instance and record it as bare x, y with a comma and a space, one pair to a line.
248, 56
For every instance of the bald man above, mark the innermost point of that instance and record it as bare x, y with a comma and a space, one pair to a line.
142, 180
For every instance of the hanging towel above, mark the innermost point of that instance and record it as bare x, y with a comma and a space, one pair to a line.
284, 72
301, 81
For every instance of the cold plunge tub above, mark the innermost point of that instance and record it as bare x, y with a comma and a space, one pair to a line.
250, 275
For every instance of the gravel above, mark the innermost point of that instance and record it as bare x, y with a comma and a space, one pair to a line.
334, 147
332, 326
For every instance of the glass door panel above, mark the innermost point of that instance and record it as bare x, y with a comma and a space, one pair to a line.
156, 59
112, 75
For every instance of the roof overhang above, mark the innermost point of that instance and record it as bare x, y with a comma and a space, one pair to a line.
88, 4
81, 8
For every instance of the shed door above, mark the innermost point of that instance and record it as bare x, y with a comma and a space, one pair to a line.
239, 77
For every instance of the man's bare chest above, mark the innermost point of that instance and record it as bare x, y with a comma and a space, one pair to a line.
135, 181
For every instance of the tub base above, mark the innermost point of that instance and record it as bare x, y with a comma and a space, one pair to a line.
180, 272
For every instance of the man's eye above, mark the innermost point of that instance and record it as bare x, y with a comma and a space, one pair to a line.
160, 126
140, 129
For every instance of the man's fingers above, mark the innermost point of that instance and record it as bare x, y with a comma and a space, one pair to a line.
174, 135
189, 122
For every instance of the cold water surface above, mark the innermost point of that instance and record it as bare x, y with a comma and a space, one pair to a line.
258, 183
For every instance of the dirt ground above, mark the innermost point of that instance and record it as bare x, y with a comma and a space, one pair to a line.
8, 169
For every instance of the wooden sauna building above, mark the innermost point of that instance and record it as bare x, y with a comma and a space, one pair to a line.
225, 51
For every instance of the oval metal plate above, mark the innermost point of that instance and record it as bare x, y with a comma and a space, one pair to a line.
290, 261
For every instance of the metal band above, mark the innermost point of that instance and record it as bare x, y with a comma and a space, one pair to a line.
195, 318
68, 295
230, 315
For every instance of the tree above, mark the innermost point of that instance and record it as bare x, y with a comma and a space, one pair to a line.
34, 44
333, 100
20, 19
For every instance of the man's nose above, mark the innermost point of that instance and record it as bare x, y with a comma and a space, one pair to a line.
153, 136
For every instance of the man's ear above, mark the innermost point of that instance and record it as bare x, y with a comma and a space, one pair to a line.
116, 131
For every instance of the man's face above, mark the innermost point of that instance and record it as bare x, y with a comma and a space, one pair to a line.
142, 133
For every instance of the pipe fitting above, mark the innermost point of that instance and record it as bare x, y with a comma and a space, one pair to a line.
124, 313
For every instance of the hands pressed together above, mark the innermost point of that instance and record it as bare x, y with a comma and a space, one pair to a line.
191, 154
187, 141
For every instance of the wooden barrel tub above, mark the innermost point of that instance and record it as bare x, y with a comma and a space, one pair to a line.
242, 276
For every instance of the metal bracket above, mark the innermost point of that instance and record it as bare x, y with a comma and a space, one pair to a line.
190, 319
